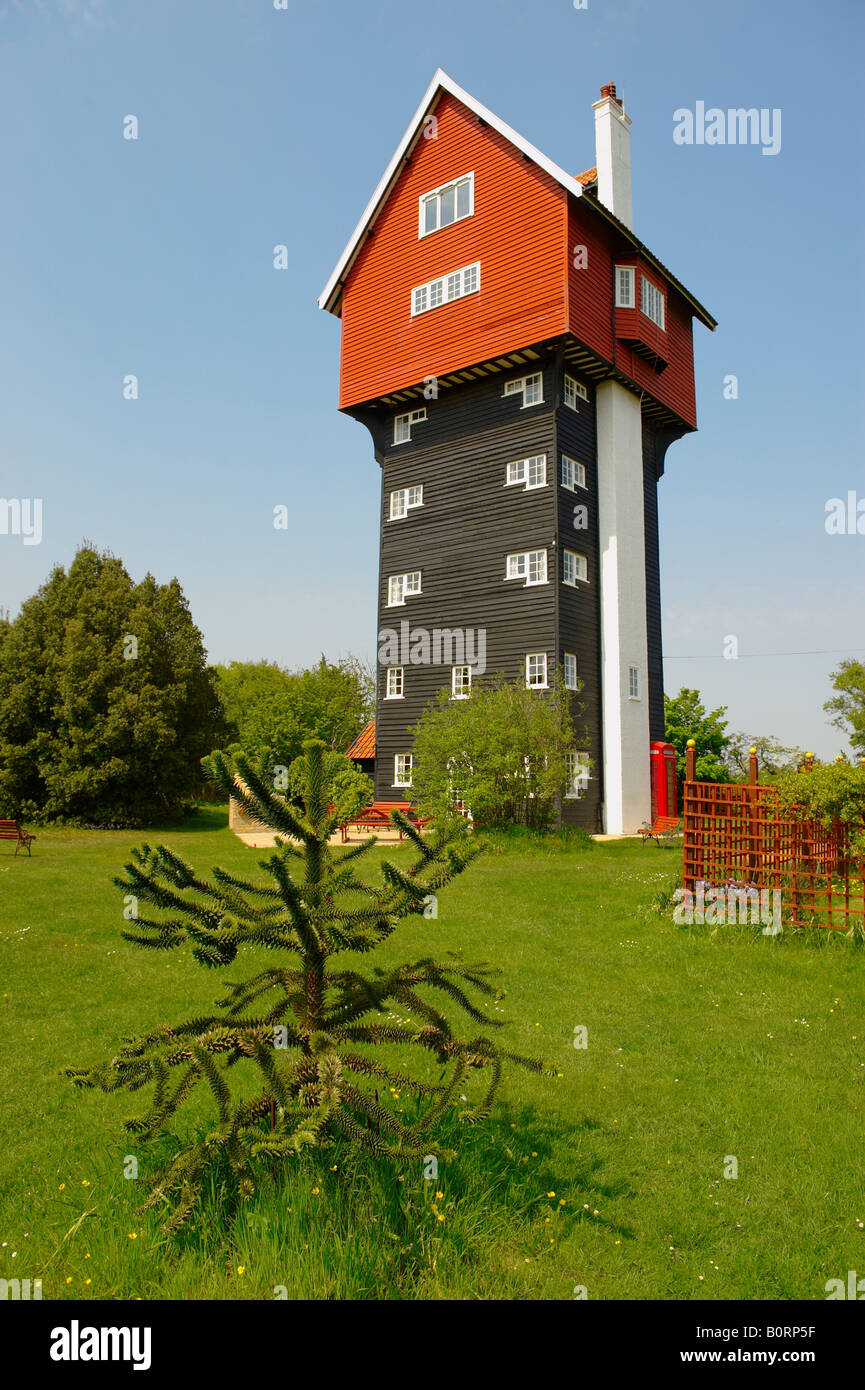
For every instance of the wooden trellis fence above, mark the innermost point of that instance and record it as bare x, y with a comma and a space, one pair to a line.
740, 836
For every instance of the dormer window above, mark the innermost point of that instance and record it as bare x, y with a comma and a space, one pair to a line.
652, 302
450, 203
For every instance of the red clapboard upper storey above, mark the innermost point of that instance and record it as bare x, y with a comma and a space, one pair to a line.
469, 248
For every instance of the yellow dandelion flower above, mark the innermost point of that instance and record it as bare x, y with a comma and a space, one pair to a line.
61, 1187
440, 1217
315, 1191
133, 1235
84, 1182
561, 1201
439, 1196
551, 1194
69, 1278
88, 1281
534, 1154
241, 1269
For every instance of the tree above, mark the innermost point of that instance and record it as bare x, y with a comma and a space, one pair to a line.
829, 792
273, 710
297, 1035
685, 716
773, 756
345, 785
106, 701
848, 705
505, 750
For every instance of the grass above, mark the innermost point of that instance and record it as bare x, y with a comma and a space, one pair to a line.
703, 1045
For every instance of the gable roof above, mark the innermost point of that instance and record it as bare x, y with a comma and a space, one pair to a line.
364, 745
330, 295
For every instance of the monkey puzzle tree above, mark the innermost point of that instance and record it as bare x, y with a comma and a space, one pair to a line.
304, 1031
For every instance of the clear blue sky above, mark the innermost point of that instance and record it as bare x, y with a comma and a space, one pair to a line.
261, 126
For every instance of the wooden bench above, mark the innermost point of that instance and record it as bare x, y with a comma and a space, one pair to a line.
11, 830
377, 817
665, 828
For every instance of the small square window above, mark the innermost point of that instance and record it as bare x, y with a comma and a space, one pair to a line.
573, 473
573, 389
402, 425
394, 690
574, 567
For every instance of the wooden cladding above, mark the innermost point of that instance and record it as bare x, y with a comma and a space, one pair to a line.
545, 267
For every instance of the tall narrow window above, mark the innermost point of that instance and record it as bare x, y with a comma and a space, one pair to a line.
461, 682
577, 774
394, 683
625, 287
570, 665
536, 670
574, 567
633, 682
652, 302
402, 766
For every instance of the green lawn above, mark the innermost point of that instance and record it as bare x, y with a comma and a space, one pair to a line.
701, 1045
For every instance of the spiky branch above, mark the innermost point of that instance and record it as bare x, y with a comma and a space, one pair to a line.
298, 1025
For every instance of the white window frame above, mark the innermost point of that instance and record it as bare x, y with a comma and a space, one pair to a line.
519, 566
578, 775
404, 493
633, 683
465, 691
404, 779
405, 422
573, 389
402, 587
440, 289
537, 685
569, 666
437, 193
580, 568
572, 468
398, 673
519, 387
652, 301
519, 472
625, 292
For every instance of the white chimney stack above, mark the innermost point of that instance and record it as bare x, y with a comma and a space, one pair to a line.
613, 154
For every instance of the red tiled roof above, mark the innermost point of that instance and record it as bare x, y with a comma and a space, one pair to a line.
364, 744
589, 176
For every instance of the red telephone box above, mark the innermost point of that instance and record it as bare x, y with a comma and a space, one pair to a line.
662, 762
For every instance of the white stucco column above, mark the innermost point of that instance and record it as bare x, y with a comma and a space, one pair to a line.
624, 641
